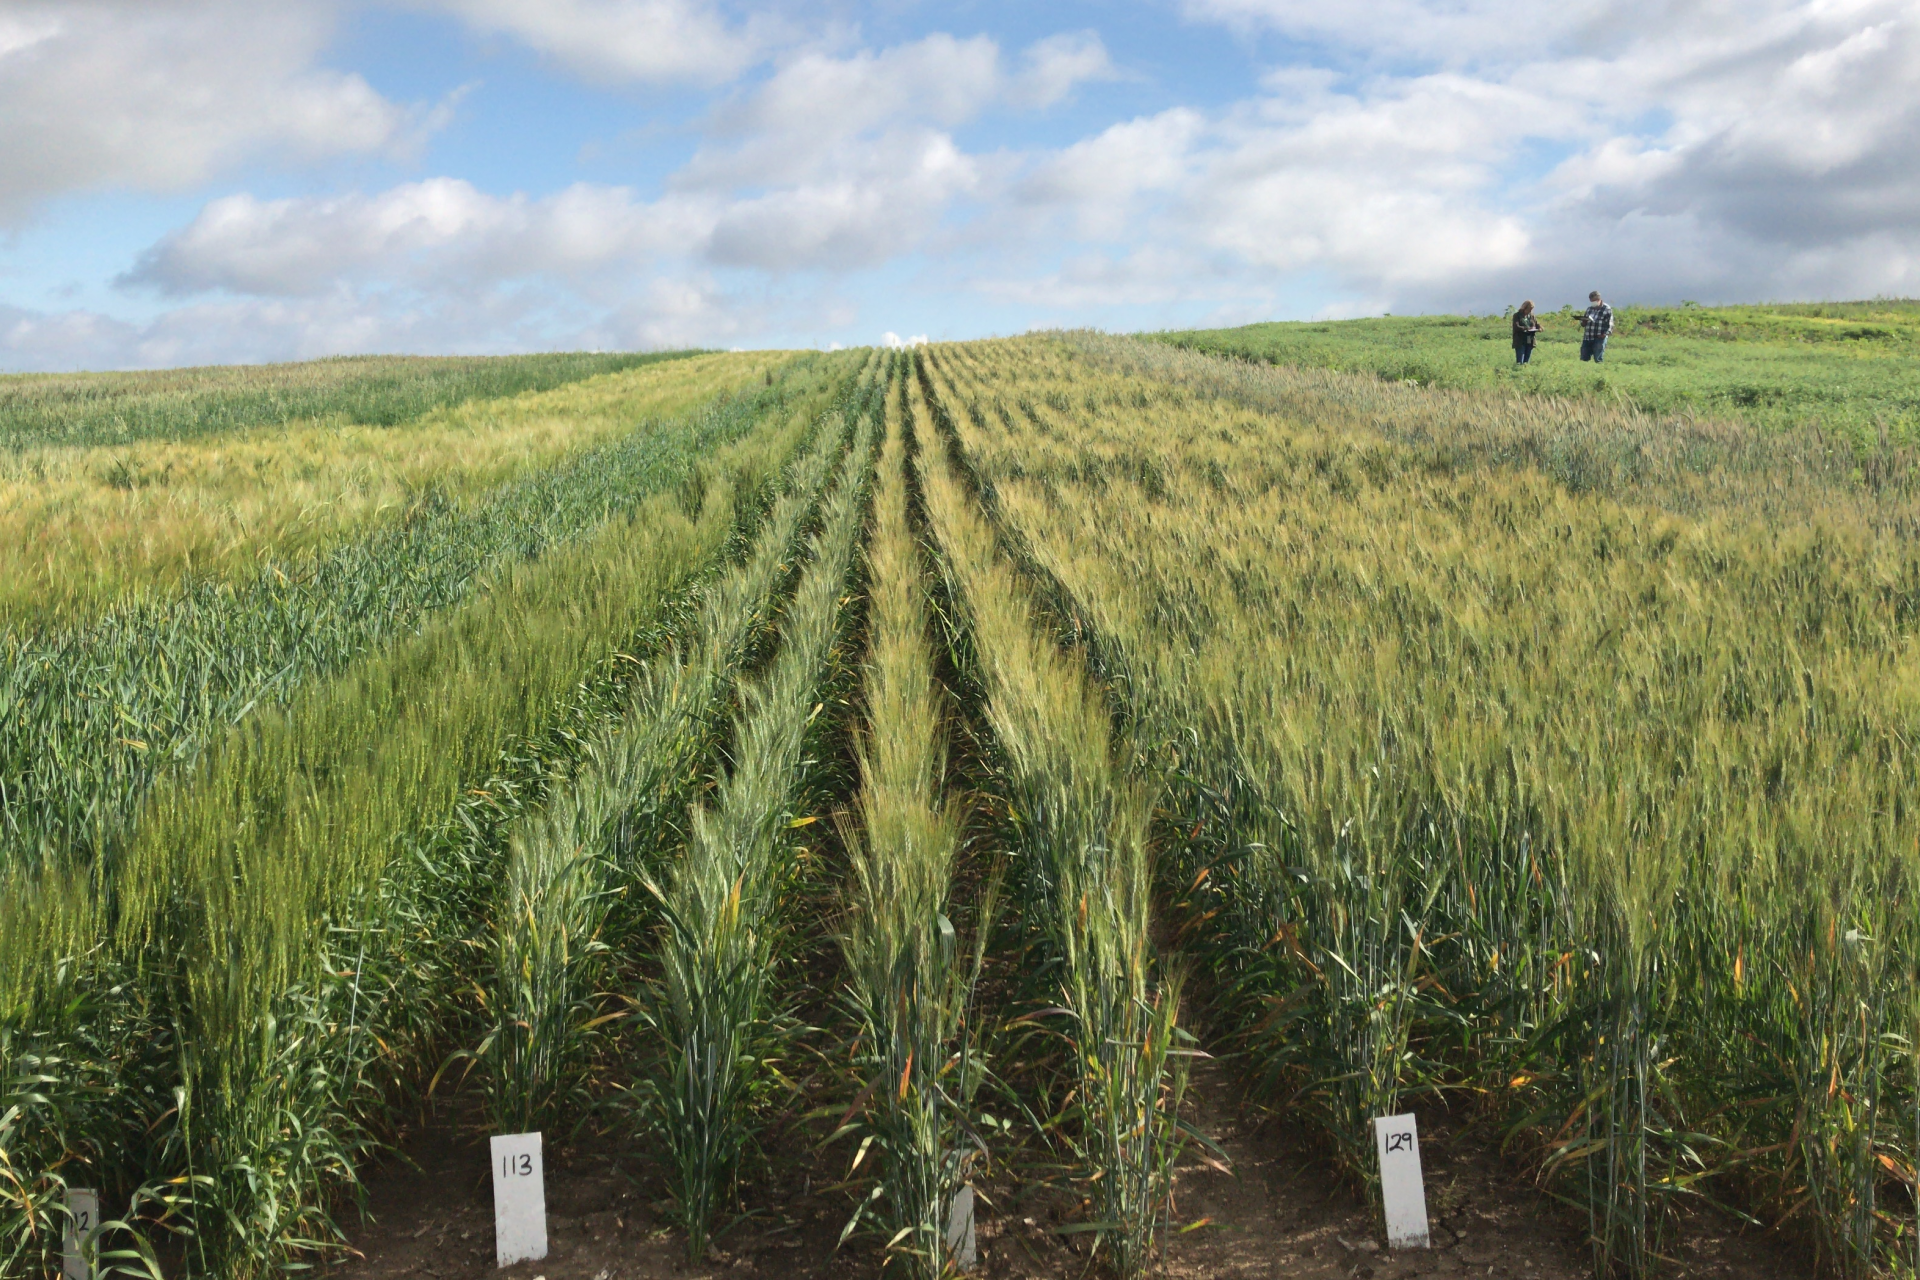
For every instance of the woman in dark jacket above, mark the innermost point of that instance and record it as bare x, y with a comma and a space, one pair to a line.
1525, 327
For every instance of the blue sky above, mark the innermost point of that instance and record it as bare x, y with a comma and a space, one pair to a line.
191, 181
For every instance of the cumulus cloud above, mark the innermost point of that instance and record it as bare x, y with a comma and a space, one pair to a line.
839, 162
834, 163
858, 208
669, 310
1772, 151
645, 41
159, 95
442, 229
1051, 69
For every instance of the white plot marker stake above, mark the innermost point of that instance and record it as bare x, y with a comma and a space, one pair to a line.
83, 1220
1402, 1190
960, 1242
519, 1199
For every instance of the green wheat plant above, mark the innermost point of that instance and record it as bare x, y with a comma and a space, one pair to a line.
721, 901
1084, 869
571, 862
91, 715
909, 977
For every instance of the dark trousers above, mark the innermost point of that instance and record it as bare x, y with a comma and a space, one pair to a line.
1523, 355
1594, 349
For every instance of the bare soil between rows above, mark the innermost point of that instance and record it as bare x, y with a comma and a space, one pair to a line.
1279, 1212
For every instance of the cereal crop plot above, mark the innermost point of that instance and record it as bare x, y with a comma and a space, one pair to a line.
857, 787
220, 1000
116, 408
86, 529
93, 710
909, 980
1595, 811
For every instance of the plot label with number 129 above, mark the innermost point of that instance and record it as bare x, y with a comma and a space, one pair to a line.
519, 1199
1403, 1192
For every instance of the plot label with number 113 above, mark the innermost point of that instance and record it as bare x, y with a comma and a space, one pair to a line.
519, 1199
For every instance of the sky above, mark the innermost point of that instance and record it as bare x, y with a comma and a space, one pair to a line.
214, 181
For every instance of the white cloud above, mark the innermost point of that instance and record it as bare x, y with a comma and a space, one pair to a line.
1390, 188
815, 104
844, 162
160, 95
1053, 68
442, 229
648, 41
1101, 178
939, 79
861, 207
894, 342
676, 309
1767, 149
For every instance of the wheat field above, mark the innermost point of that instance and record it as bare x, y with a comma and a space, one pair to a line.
937, 754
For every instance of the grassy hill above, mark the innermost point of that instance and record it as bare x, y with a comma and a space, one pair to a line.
1846, 367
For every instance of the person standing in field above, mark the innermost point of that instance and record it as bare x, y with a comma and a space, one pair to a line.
1526, 326
1596, 326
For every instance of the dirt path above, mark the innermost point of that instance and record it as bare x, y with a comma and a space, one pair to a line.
1278, 1213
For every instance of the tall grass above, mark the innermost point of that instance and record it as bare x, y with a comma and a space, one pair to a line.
1084, 869
1595, 812
910, 981
88, 409
572, 861
722, 900
288, 934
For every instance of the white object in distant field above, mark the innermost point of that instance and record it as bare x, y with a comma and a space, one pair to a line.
1402, 1190
519, 1199
960, 1241
83, 1220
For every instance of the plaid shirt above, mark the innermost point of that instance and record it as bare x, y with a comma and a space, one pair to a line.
1599, 322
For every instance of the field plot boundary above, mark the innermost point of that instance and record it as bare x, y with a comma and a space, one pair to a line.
363, 1002
1127, 476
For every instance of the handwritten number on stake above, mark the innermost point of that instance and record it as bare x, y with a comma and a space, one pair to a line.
1403, 1192
83, 1216
519, 1199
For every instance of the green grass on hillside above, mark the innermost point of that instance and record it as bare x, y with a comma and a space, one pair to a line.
116, 408
1849, 367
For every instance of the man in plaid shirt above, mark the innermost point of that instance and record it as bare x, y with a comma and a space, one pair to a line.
1596, 326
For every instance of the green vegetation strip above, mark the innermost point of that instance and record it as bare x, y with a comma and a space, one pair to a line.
87, 409
89, 717
909, 978
571, 863
1084, 867
1851, 370
722, 900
